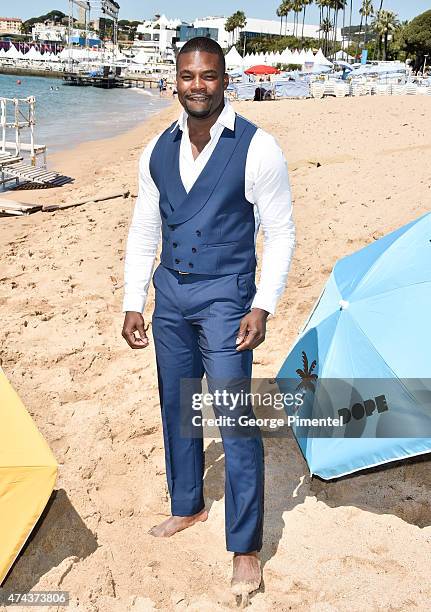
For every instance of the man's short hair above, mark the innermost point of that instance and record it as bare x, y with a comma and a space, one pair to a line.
202, 43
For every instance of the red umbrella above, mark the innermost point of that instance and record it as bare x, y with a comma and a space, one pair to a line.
261, 69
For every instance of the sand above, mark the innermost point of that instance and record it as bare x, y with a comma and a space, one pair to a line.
359, 168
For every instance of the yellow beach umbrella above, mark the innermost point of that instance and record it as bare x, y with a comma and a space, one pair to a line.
28, 471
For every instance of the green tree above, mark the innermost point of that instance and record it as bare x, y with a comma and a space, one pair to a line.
337, 6
296, 8
350, 20
305, 3
326, 28
55, 16
234, 22
230, 26
283, 11
279, 13
417, 38
384, 24
366, 10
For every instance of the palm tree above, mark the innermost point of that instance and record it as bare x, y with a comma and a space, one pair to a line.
235, 21
321, 4
280, 13
229, 26
283, 11
350, 21
337, 5
384, 24
363, 12
240, 20
326, 27
296, 8
305, 3
367, 10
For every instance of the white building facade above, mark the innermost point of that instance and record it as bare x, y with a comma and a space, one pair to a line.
256, 27
155, 38
48, 32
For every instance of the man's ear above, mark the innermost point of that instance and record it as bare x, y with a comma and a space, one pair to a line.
225, 81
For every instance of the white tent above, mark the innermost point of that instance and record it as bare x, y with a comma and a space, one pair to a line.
233, 58
277, 58
120, 57
141, 58
344, 56
295, 58
286, 56
302, 56
309, 56
33, 54
269, 59
13, 53
246, 60
321, 60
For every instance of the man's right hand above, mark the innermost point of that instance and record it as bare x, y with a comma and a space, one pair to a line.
134, 321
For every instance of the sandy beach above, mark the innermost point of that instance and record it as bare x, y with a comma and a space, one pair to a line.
359, 168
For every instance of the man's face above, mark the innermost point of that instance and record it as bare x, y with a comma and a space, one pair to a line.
200, 83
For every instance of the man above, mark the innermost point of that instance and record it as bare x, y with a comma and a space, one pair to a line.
208, 181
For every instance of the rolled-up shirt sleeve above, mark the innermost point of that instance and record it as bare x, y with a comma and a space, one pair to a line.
272, 197
143, 238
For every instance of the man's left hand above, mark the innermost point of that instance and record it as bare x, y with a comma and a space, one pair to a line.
252, 330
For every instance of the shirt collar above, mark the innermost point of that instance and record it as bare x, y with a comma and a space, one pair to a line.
226, 118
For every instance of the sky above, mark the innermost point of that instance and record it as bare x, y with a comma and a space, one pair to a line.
140, 9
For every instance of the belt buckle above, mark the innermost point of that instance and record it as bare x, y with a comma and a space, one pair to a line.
183, 273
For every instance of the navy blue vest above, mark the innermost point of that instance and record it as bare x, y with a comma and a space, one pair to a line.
209, 230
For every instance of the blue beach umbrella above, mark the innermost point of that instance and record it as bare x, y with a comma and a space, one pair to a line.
364, 358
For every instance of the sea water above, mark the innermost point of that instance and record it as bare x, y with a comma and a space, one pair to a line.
67, 115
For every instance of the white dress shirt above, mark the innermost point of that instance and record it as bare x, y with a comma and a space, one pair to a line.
267, 189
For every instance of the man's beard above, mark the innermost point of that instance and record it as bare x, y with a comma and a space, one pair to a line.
198, 114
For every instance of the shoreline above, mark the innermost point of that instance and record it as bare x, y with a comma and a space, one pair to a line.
54, 74
75, 161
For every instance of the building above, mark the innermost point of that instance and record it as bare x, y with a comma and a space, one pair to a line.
84, 39
48, 32
157, 37
10, 25
254, 28
185, 32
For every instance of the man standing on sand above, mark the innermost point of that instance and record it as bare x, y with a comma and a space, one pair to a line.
208, 182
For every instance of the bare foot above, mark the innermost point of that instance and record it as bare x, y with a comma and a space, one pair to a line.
177, 523
246, 575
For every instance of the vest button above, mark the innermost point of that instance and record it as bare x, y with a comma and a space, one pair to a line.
190, 264
198, 232
177, 261
193, 250
175, 244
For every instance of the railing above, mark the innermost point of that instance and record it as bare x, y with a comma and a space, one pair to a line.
18, 114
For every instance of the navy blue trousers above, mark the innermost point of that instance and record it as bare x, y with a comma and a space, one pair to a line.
195, 324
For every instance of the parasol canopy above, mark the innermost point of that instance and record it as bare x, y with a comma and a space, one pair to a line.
363, 355
262, 69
